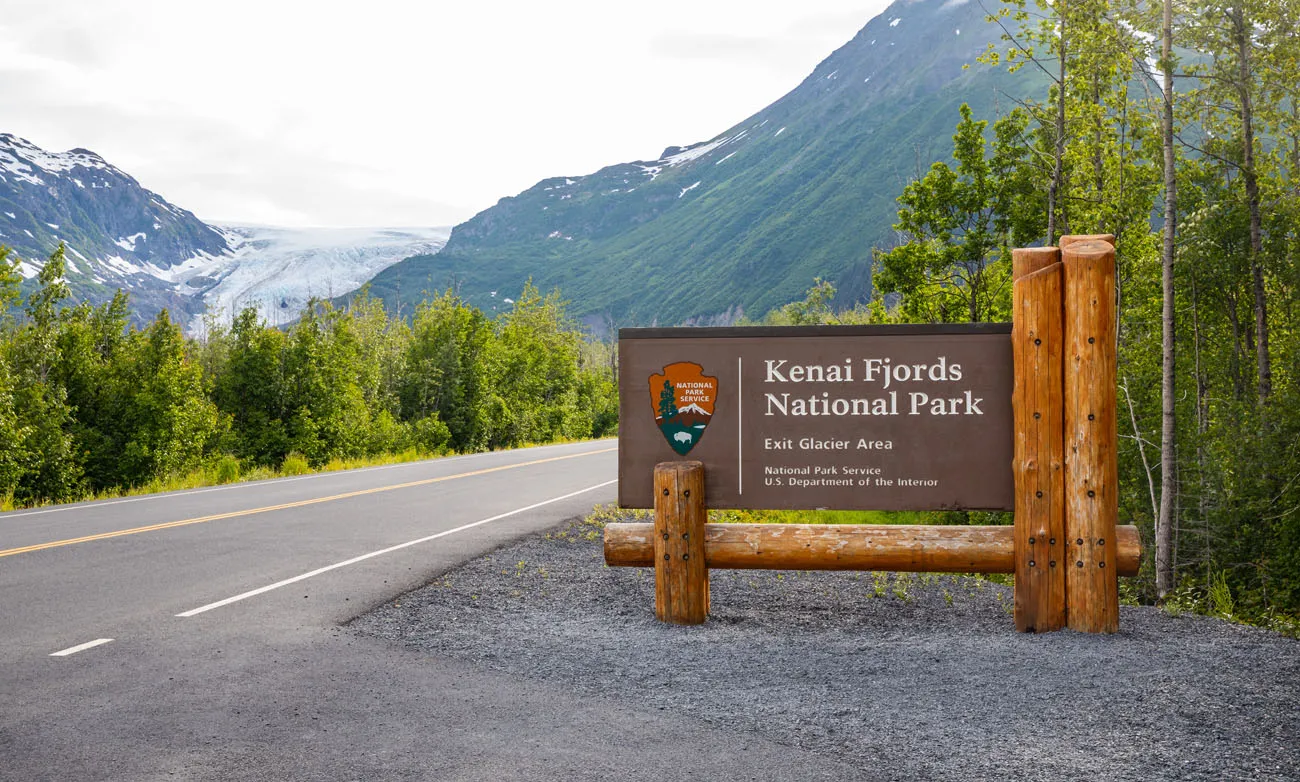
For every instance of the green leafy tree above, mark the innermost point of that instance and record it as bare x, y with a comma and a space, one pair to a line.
166, 417
960, 225
446, 370
13, 455
534, 368
328, 416
251, 388
52, 470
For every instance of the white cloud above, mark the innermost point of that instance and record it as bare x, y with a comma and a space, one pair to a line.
389, 111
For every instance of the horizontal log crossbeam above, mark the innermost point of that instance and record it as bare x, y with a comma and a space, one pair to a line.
899, 548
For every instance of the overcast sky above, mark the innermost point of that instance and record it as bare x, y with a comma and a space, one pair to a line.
379, 112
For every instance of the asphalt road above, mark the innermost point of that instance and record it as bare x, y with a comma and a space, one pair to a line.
196, 635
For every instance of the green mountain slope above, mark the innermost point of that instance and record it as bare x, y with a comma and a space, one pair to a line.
744, 222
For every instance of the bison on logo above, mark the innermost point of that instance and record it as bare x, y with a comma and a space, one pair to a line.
682, 399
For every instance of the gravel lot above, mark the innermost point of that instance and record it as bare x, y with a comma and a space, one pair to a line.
905, 676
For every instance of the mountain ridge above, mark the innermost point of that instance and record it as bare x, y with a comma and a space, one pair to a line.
120, 235
743, 222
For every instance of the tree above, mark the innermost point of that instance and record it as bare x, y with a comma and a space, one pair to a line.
959, 226
1168, 365
52, 471
166, 417
252, 389
447, 369
667, 401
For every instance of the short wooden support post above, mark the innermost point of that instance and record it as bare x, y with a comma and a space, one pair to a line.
681, 576
1037, 409
1091, 437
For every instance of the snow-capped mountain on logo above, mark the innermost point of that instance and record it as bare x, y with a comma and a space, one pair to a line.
693, 409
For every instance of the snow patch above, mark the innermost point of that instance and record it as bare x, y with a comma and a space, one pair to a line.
27, 270
779, 132
122, 266
699, 150
128, 242
12, 216
724, 160
52, 225
686, 190
895, 22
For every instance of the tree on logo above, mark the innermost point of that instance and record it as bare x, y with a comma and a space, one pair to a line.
667, 401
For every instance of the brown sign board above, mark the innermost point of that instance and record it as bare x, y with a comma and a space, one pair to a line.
840, 417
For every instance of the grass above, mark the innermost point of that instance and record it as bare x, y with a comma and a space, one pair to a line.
227, 469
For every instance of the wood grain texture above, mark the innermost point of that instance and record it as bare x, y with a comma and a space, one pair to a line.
1028, 260
1091, 437
681, 577
902, 548
1038, 408
1066, 241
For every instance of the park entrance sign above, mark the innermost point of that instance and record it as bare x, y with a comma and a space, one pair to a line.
847, 417
1015, 417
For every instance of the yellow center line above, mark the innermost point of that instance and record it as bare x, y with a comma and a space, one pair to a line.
285, 506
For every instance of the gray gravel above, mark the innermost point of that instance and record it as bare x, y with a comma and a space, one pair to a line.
904, 676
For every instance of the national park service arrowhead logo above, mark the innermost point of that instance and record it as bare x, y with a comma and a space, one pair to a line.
682, 399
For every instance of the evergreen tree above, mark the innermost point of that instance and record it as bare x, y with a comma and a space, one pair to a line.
668, 401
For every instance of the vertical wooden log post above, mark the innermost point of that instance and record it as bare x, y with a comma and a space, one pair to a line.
681, 577
1037, 408
1091, 438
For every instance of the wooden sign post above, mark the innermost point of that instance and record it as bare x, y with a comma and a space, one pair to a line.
1091, 455
681, 577
890, 418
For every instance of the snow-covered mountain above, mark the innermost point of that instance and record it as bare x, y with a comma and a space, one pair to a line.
121, 235
692, 408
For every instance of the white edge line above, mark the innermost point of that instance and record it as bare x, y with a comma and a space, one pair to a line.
81, 647
740, 427
89, 504
390, 549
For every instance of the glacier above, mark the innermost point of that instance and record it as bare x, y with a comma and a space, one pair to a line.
277, 270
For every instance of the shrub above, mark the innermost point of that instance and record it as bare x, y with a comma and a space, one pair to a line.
431, 435
294, 464
226, 470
